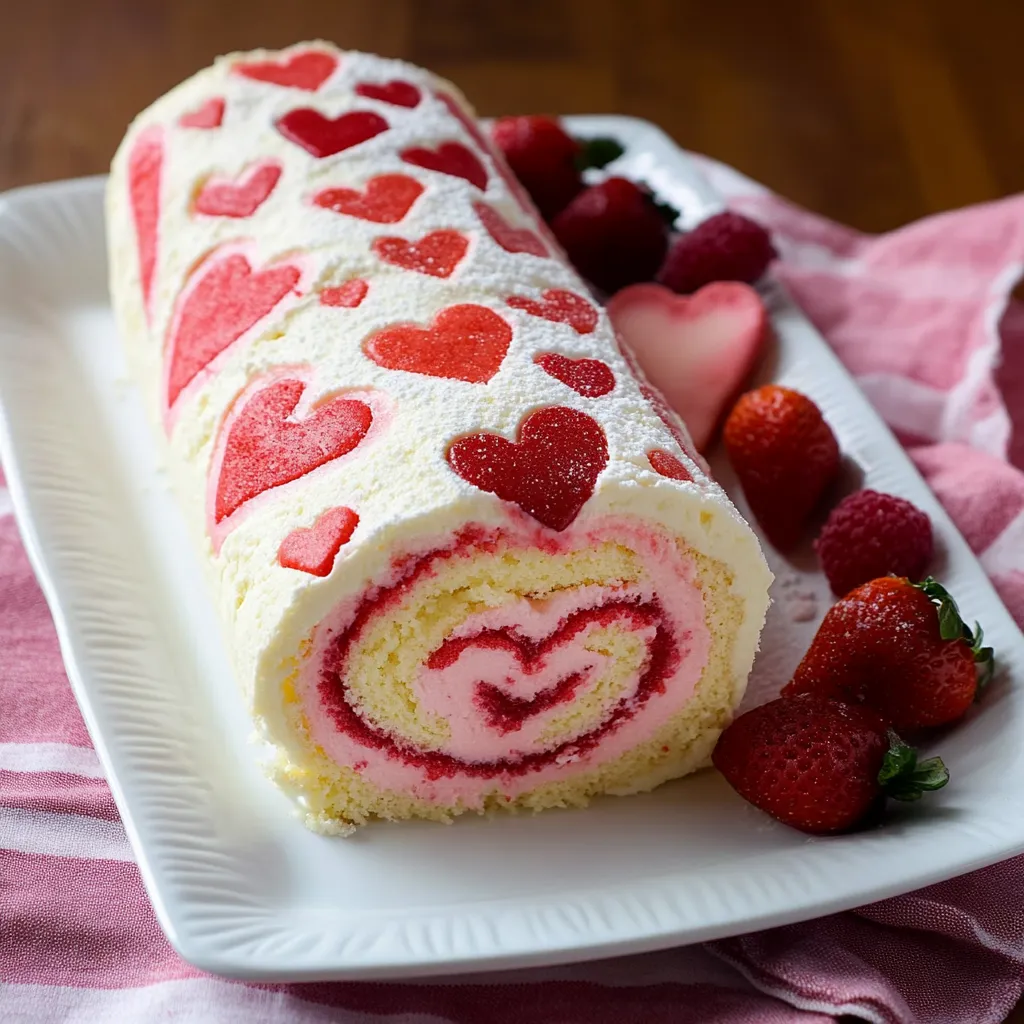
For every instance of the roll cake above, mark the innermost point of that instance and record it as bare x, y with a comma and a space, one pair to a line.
464, 556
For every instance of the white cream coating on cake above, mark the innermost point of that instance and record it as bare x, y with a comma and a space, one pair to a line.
406, 495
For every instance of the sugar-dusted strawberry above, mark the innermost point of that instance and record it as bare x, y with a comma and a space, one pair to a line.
725, 247
543, 157
869, 534
819, 765
547, 160
900, 648
614, 233
785, 456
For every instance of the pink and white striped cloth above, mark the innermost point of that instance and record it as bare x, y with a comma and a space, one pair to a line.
920, 317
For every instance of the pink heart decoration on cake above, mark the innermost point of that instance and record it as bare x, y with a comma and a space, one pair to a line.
145, 162
587, 377
209, 115
464, 342
549, 471
561, 307
313, 549
396, 92
451, 158
667, 464
307, 70
227, 299
510, 238
385, 200
222, 197
267, 446
348, 295
322, 137
436, 254
697, 350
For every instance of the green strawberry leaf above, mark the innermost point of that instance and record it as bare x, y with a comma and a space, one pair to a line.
669, 214
903, 777
953, 627
597, 153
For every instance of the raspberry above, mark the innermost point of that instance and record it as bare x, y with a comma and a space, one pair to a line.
613, 233
869, 535
725, 247
543, 157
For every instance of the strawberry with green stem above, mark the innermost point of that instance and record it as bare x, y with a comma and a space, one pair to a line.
901, 648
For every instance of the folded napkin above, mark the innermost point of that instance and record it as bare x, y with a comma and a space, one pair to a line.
920, 317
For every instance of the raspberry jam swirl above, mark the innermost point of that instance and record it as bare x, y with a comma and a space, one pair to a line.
513, 660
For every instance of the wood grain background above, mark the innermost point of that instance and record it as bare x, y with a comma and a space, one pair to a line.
873, 112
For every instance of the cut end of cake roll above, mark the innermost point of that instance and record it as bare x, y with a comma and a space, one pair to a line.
465, 557
512, 668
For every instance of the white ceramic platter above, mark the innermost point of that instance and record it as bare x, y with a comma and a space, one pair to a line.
240, 887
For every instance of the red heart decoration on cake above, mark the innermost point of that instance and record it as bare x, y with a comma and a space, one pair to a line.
465, 342
395, 92
266, 447
511, 239
514, 185
313, 548
696, 349
307, 70
323, 136
667, 464
144, 167
227, 300
222, 197
386, 199
449, 158
348, 295
560, 306
209, 115
549, 471
587, 377
437, 254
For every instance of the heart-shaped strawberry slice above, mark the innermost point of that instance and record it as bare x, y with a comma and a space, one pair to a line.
144, 169
587, 377
267, 446
348, 295
385, 200
437, 254
313, 548
307, 70
323, 136
209, 115
222, 197
449, 158
465, 342
395, 92
511, 239
698, 349
562, 307
549, 471
668, 465
225, 301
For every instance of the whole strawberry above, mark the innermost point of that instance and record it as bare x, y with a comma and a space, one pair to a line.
725, 247
821, 766
870, 534
543, 157
613, 233
900, 648
785, 456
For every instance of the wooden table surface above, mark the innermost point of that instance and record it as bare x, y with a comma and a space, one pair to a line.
873, 112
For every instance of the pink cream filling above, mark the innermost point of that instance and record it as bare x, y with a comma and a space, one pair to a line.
505, 679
